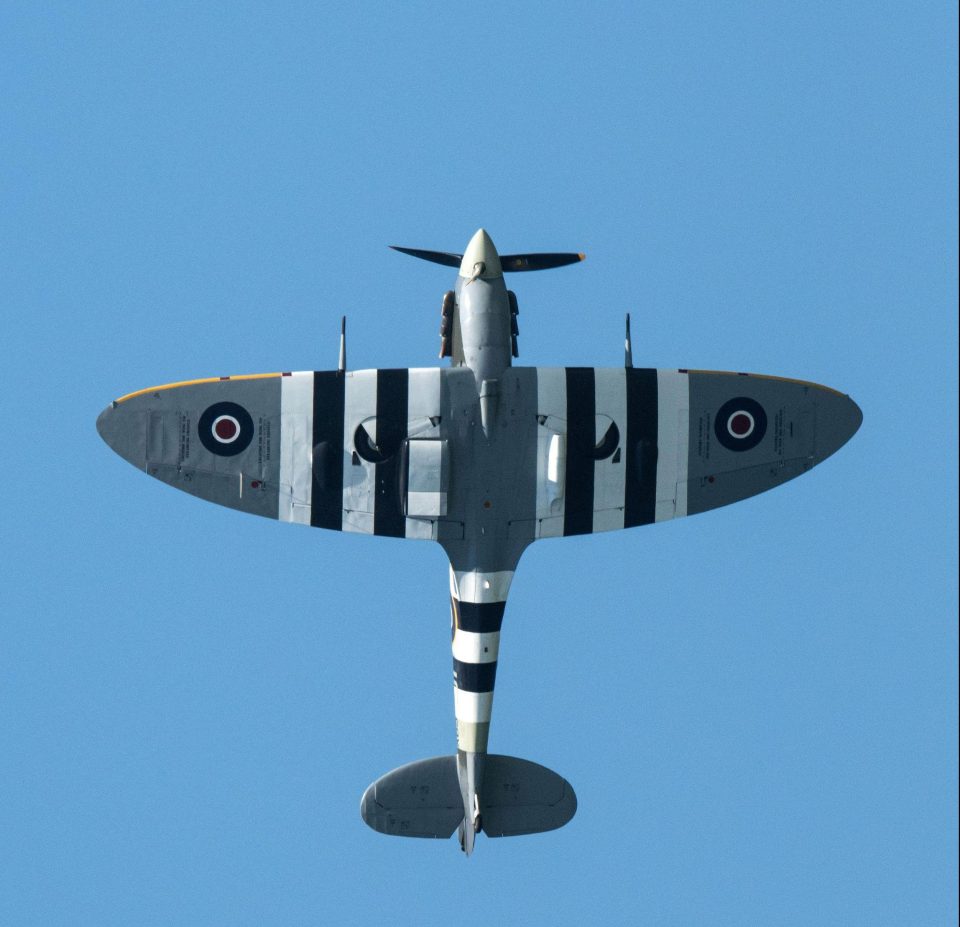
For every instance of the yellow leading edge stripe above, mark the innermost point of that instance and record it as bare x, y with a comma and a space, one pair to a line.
157, 389
767, 376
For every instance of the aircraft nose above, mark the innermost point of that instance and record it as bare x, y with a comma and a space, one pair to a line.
838, 419
482, 253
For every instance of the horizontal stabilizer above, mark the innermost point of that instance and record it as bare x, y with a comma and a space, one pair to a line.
520, 797
423, 799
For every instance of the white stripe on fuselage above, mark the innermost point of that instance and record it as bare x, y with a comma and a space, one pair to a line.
673, 433
296, 447
471, 647
480, 587
472, 707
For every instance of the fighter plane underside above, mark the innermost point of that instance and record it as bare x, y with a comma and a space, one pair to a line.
484, 458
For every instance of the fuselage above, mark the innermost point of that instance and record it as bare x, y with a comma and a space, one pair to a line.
482, 565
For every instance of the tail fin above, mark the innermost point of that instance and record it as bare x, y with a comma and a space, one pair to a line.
423, 799
508, 262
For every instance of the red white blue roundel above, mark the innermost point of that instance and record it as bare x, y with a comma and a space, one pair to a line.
740, 424
225, 429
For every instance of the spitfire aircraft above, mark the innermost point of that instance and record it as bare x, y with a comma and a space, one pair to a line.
484, 458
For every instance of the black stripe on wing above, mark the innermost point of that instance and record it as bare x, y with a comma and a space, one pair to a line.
326, 508
392, 390
581, 446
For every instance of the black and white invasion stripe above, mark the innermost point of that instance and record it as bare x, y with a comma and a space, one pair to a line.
477, 603
582, 485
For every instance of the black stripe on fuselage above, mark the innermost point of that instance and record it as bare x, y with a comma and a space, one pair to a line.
478, 617
392, 390
640, 490
326, 500
474, 677
581, 438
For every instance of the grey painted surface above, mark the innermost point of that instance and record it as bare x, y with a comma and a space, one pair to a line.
420, 799
520, 797
806, 423
157, 432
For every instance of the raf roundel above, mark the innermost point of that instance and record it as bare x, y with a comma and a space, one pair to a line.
225, 429
740, 424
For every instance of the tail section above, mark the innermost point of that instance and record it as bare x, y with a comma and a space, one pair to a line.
423, 799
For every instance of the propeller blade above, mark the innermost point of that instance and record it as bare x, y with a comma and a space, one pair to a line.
508, 262
447, 258
514, 262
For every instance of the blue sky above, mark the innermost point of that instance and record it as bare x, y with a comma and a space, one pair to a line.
757, 706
